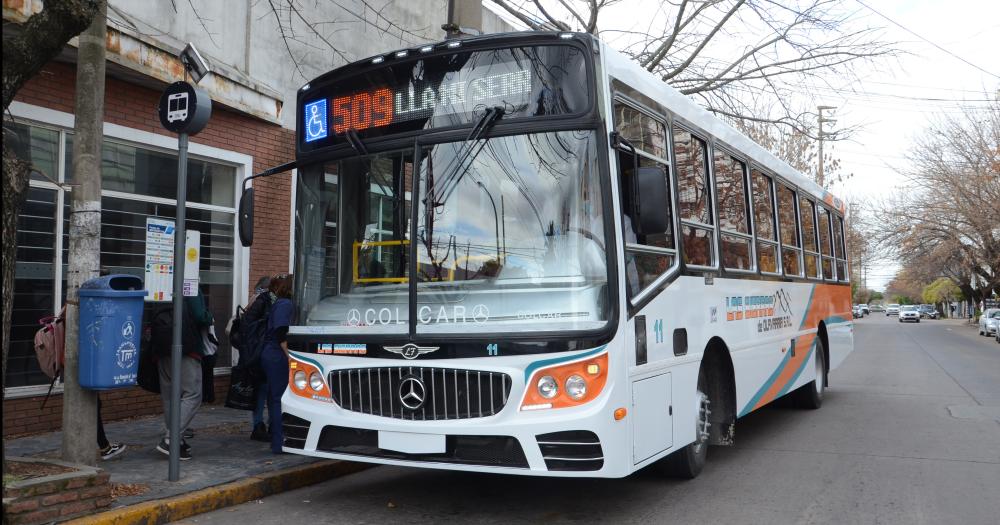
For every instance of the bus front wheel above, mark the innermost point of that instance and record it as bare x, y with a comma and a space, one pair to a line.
689, 461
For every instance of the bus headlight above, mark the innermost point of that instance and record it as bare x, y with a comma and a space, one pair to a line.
316, 382
299, 379
576, 387
305, 379
582, 381
547, 387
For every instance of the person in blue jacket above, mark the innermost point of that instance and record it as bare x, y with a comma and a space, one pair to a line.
274, 357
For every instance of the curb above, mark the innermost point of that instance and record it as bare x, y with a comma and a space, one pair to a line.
174, 508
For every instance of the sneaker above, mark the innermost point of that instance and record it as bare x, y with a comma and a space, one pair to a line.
113, 450
260, 433
187, 434
164, 448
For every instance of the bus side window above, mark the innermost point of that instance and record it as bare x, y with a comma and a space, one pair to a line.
697, 230
807, 214
648, 136
841, 249
791, 253
826, 242
734, 213
763, 207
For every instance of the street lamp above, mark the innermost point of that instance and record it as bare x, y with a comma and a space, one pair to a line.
819, 175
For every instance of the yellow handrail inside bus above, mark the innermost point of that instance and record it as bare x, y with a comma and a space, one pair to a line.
357, 250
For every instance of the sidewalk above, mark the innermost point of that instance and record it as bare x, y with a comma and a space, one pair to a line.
222, 453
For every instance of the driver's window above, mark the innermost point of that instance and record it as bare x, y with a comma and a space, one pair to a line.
647, 254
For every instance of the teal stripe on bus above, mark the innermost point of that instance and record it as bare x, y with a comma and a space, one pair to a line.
307, 360
798, 373
554, 361
767, 384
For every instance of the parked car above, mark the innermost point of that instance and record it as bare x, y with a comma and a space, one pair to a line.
928, 311
988, 321
856, 312
892, 309
908, 312
865, 310
877, 308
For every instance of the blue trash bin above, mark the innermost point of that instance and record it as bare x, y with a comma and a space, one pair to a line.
110, 327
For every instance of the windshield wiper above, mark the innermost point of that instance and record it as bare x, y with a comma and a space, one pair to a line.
472, 148
355, 141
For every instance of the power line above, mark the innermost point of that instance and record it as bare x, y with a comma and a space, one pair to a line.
904, 28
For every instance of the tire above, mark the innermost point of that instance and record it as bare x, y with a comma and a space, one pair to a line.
810, 396
689, 461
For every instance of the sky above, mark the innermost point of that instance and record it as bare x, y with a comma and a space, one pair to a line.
891, 103
891, 99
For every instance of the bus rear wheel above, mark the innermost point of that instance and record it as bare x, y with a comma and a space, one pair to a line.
810, 396
689, 461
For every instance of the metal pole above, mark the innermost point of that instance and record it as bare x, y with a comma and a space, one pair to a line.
177, 350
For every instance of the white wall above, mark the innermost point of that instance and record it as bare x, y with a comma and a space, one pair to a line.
242, 37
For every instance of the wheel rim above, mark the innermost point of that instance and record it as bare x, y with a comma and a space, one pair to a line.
819, 372
702, 422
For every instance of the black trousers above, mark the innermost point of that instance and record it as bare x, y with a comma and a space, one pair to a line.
102, 439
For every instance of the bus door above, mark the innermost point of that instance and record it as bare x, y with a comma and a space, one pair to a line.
650, 264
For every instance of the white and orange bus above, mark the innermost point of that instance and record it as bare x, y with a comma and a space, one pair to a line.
524, 254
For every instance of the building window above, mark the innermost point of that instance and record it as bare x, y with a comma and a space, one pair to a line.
138, 182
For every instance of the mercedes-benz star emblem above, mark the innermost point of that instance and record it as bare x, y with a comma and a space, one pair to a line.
354, 317
412, 392
410, 350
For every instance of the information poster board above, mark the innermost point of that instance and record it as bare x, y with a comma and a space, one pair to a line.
160, 260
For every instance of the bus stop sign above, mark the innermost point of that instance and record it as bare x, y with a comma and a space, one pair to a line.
184, 108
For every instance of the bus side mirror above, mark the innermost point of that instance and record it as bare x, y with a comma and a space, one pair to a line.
246, 217
651, 195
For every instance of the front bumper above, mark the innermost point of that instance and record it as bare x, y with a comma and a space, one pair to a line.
581, 441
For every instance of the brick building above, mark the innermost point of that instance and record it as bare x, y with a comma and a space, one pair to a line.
253, 85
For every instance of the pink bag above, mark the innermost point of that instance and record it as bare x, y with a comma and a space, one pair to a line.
50, 341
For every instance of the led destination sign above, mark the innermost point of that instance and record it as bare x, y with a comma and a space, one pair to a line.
382, 106
445, 91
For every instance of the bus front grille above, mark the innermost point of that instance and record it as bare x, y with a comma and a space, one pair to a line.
420, 393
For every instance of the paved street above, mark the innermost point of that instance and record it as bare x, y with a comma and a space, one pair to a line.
909, 433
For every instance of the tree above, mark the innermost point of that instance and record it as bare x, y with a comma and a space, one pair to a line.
945, 222
25, 51
737, 57
943, 290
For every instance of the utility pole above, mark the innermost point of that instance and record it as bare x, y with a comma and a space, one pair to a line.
819, 175
79, 418
465, 17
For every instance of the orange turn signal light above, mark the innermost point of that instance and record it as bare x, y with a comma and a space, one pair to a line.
620, 413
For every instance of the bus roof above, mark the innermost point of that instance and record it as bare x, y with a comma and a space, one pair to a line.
626, 70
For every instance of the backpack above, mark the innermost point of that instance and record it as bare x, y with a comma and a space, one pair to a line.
162, 331
50, 348
250, 328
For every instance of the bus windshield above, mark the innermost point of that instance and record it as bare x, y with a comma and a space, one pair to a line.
508, 238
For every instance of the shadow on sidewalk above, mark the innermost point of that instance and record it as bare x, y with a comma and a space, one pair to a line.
221, 448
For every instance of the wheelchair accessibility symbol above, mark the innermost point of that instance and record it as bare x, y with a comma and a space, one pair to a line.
315, 120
